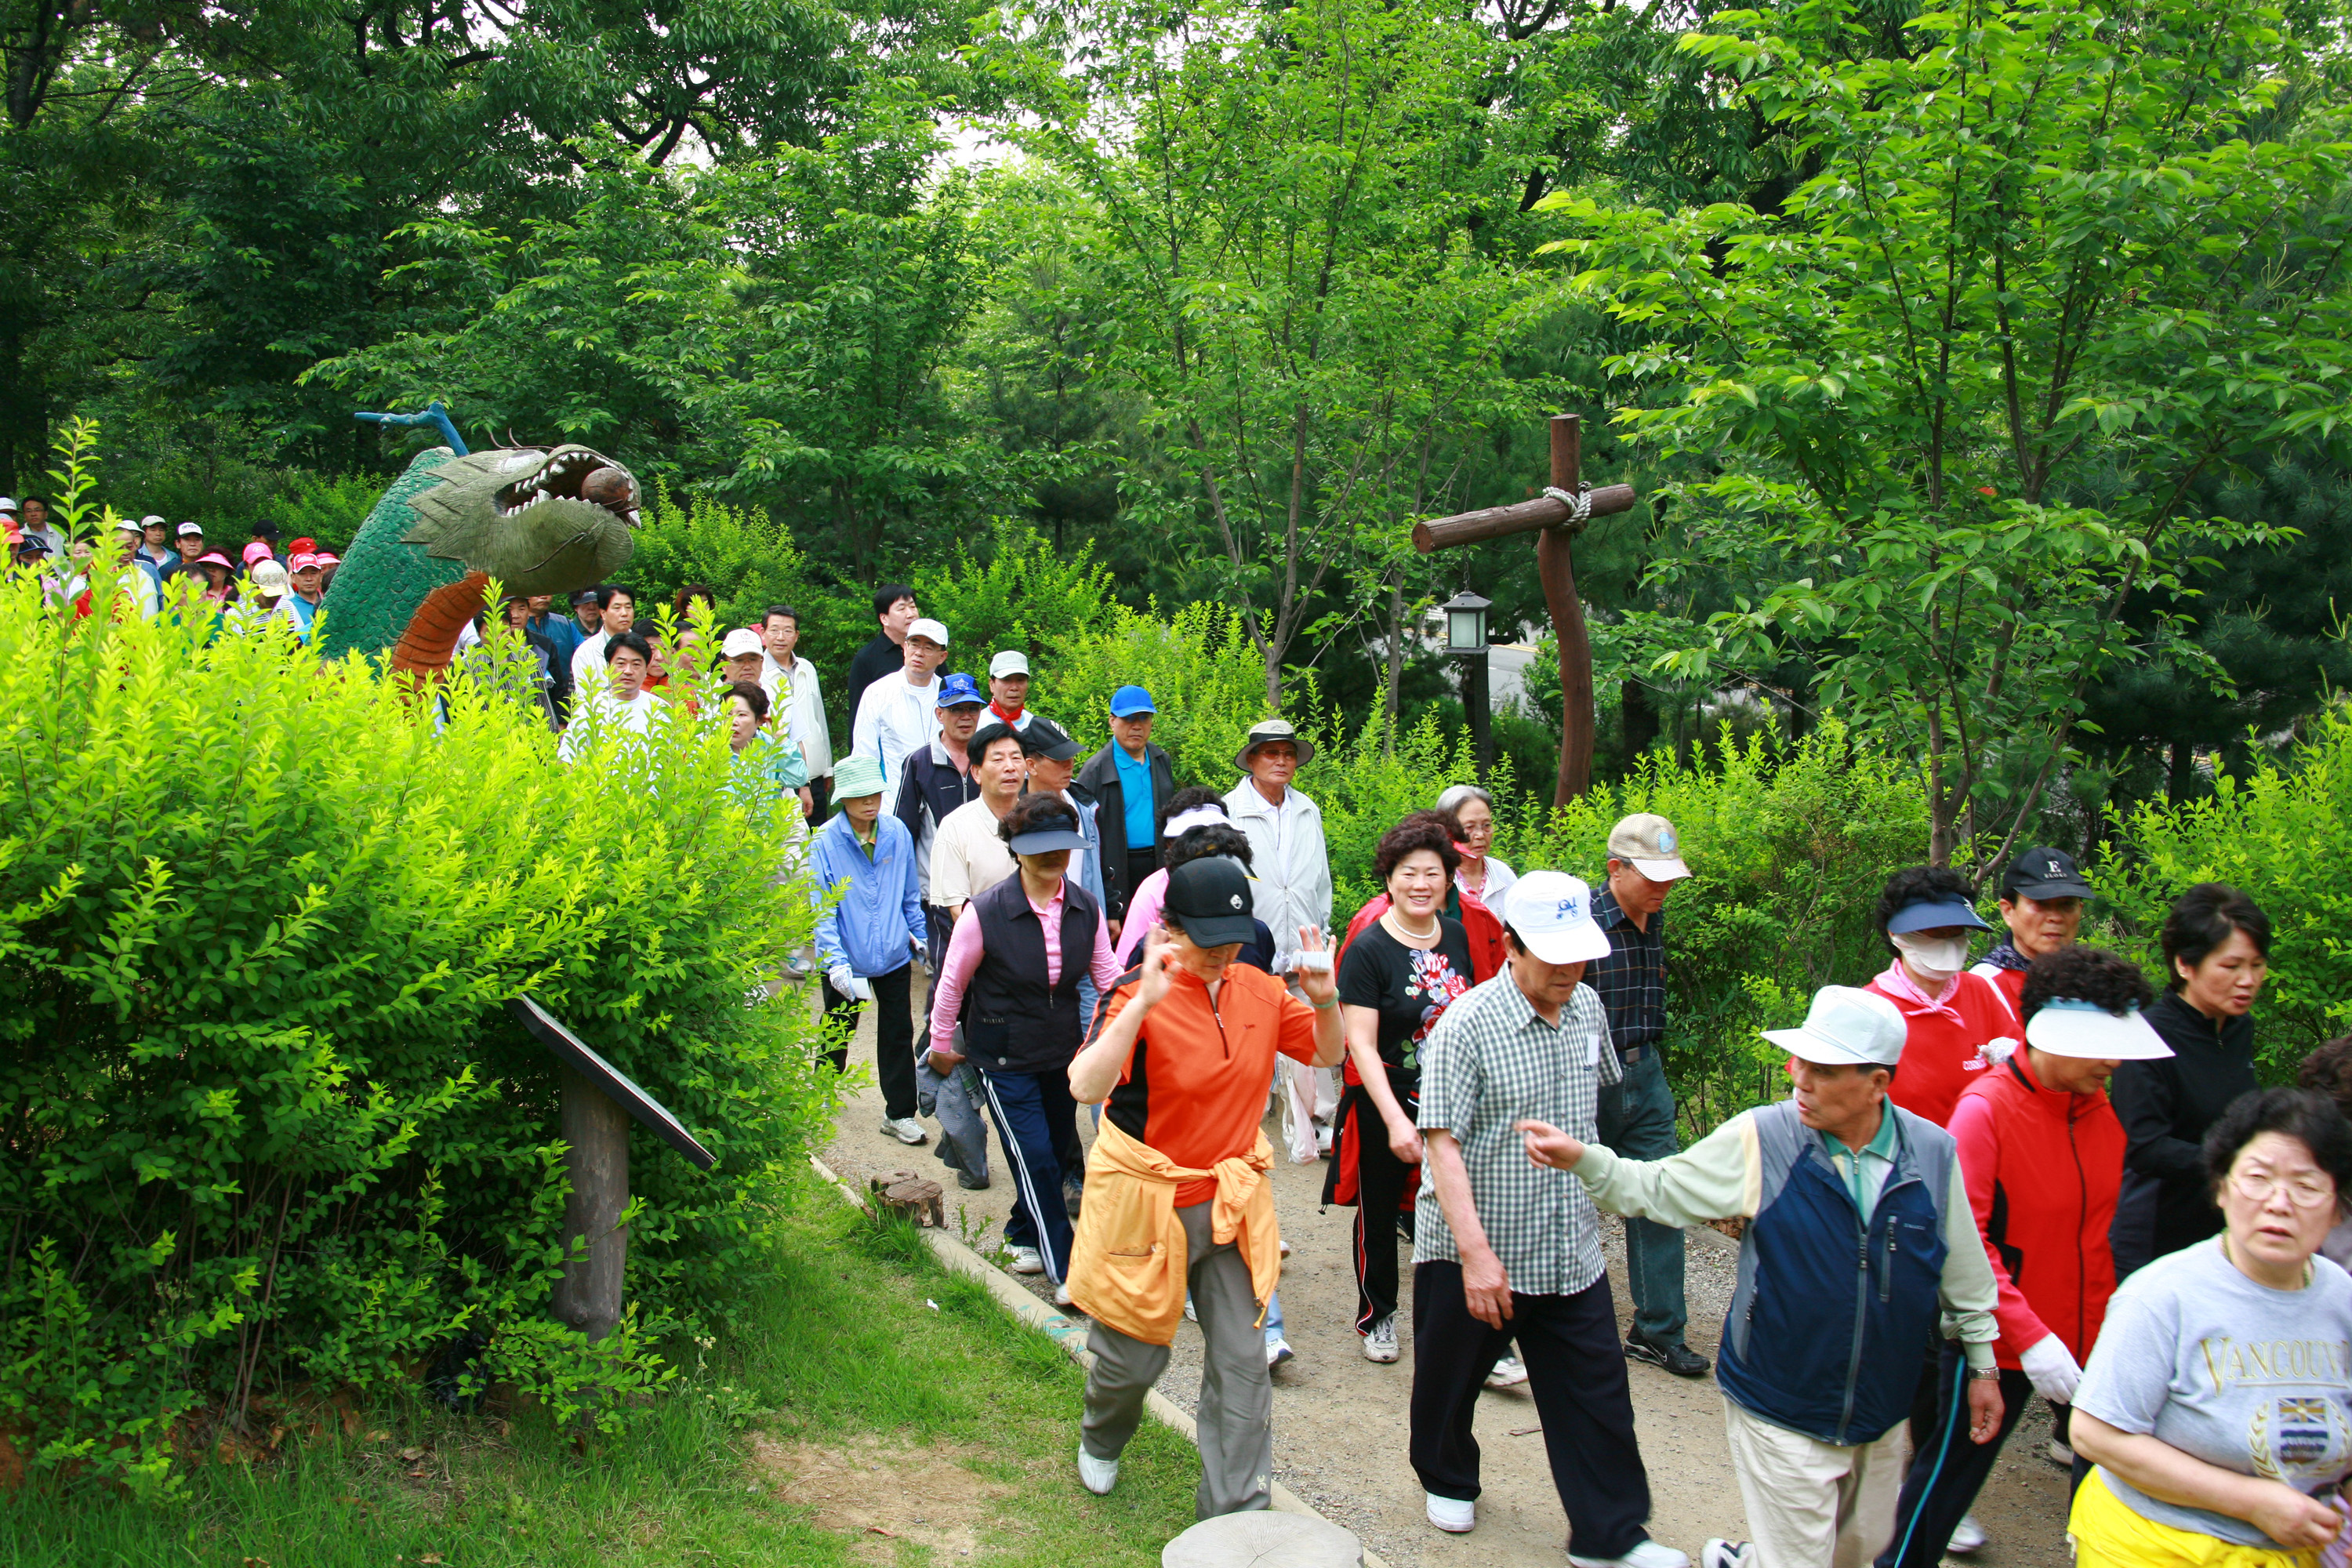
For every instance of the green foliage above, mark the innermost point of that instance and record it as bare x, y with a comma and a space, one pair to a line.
2276, 832
740, 552
271, 1126
1024, 594
1961, 382
1788, 844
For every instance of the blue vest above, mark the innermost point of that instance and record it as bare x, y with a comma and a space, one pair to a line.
1834, 1310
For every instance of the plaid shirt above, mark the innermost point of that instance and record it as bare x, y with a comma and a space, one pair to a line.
1632, 979
1490, 1061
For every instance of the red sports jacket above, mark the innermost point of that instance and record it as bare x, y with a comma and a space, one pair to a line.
2042, 1169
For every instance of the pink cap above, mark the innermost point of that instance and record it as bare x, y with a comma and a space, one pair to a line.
257, 550
327, 558
303, 563
215, 558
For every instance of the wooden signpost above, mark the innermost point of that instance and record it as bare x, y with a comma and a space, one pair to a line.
1556, 518
599, 1100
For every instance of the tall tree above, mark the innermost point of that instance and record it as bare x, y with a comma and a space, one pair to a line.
2057, 265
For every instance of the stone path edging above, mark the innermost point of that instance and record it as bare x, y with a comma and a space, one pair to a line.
1069, 1333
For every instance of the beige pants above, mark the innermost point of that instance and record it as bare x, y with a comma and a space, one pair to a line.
1812, 1504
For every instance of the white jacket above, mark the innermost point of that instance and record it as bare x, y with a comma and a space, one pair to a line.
1292, 867
893, 719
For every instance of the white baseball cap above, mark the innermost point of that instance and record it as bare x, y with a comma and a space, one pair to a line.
192, 530
2070, 1027
1846, 1024
1650, 842
7, 503
155, 519
1011, 661
740, 641
1552, 912
927, 628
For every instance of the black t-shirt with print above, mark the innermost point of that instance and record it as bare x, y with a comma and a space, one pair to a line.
1410, 987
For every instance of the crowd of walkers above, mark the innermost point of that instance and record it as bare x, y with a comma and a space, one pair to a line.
2037, 1175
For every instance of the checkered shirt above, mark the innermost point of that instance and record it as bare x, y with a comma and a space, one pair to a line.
1632, 979
1490, 1061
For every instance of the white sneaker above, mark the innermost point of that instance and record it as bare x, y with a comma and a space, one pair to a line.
1098, 1476
1380, 1345
1453, 1515
1645, 1554
1509, 1372
1323, 1137
1967, 1536
1278, 1352
1191, 1314
1025, 1260
905, 1129
1721, 1553
2061, 1456
1061, 1295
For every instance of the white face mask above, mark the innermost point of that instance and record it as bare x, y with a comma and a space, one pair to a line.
1937, 959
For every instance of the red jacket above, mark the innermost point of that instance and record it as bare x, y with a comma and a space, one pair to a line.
2042, 1169
2009, 983
1940, 1054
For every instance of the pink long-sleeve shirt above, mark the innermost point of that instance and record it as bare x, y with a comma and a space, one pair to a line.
964, 957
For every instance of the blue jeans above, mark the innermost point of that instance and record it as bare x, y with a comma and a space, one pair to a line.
1636, 1120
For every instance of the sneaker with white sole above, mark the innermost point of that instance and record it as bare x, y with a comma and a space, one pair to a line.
1025, 1260
1061, 1296
1278, 1352
1509, 1372
1968, 1536
1381, 1344
1453, 1515
1098, 1476
906, 1130
1645, 1554
2061, 1456
1721, 1553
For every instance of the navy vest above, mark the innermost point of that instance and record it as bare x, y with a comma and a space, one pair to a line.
1012, 1021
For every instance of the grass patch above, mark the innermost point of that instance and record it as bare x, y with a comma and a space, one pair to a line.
849, 1402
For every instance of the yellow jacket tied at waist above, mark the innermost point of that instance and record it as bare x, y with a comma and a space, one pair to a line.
1129, 1263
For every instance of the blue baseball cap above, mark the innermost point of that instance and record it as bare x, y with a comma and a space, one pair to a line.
1130, 700
956, 689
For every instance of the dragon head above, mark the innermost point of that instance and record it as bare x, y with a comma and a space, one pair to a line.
540, 521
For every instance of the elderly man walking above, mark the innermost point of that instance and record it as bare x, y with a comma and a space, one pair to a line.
1818, 1361
1636, 1114
1132, 780
1291, 888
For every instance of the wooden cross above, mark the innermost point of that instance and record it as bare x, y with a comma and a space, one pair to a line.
1556, 523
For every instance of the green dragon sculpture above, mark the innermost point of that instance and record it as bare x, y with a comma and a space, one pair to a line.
539, 521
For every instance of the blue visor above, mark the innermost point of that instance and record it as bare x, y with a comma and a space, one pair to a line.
1928, 916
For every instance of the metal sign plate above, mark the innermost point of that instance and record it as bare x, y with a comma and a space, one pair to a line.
570, 1047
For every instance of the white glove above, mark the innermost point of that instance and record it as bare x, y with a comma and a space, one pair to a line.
2054, 1370
1998, 1051
843, 982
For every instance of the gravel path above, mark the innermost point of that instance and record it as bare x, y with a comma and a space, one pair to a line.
1340, 1421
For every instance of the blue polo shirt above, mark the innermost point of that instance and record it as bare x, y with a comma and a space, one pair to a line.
1135, 789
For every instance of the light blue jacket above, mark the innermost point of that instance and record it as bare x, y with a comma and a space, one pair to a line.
881, 901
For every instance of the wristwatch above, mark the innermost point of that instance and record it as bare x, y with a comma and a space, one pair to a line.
1981, 1373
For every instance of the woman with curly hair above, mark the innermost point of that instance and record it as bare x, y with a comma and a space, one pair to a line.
1925, 916
2217, 944
2042, 1154
1397, 977
2214, 1404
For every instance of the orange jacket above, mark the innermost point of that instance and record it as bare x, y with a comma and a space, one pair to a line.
1129, 1263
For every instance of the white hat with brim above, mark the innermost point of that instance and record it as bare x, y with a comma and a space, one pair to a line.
929, 628
1846, 1026
2070, 1026
1264, 733
741, 642
1648, 842
1552, 913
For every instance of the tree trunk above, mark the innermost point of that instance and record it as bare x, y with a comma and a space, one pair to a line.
1396, 661
596, 1158
2181, 778
1639, 710
1556, 567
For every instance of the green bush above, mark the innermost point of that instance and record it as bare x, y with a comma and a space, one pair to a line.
267, 1126
2275, 833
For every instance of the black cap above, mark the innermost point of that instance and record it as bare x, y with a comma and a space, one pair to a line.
2042, 872
32, 544
1209, 898
1045, 738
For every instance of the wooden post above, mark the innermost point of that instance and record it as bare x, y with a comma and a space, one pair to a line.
1556, 567
596, 1158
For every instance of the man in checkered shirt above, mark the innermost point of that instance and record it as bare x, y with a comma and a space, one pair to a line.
1505, 1248
1637, 1113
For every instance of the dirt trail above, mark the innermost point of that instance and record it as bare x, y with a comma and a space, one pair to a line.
1340, 1421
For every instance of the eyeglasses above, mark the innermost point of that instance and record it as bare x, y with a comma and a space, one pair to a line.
2304, 1192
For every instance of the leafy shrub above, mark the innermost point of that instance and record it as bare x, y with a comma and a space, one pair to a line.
2275, 833
266, 1121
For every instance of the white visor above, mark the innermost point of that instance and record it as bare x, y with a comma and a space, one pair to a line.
2071, 1027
